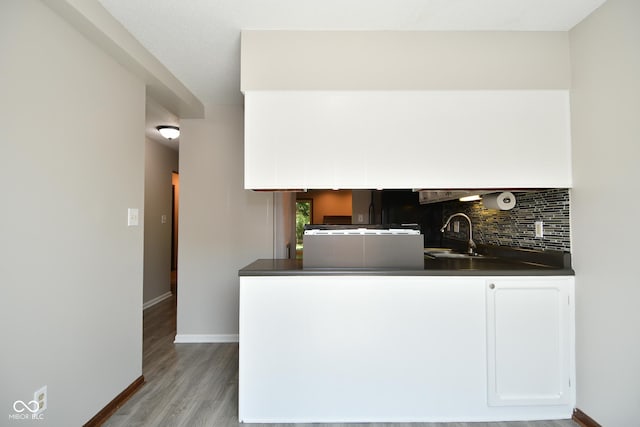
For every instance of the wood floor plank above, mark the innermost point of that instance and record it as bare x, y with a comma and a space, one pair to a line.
196, 385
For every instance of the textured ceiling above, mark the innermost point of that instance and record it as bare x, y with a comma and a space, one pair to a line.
199, 40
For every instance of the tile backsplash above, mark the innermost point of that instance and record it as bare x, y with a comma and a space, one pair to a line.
516, 227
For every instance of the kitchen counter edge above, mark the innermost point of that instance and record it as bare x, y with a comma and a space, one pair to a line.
289, 267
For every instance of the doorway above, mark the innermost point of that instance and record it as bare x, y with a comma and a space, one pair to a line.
175, 209
304, 216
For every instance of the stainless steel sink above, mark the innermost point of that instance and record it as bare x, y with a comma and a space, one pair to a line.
436, 250
449, 253
454, 255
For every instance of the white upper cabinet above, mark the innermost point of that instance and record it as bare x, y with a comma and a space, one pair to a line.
407, 139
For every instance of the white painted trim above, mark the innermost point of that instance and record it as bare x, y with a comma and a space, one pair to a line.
156, 300
215, 338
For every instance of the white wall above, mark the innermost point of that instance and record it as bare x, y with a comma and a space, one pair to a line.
159, 162
72, 162
404, 60
605, 58
222, 226
284, 225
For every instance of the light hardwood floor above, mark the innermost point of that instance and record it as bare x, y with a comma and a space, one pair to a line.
191, 385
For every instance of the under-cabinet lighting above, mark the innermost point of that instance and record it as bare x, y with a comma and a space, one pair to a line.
470, 198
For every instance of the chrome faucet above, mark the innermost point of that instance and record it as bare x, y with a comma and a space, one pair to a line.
472, 245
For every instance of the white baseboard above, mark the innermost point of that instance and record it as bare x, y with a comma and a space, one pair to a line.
216, 338
156, 300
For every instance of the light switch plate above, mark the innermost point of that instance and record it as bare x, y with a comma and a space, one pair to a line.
132, 217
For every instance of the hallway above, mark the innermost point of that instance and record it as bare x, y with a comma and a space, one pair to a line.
186, 384
197, 384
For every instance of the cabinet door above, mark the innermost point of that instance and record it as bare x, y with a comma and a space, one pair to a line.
530, 341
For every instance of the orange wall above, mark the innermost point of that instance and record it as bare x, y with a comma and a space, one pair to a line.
328, 203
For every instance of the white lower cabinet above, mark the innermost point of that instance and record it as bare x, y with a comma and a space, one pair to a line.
404, 349
530, 341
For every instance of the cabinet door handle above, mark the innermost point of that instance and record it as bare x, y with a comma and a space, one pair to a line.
492, 286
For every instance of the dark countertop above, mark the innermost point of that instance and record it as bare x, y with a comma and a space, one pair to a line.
488, 266
496, 261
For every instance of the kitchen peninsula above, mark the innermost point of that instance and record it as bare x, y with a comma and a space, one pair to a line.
463, 339
455, 339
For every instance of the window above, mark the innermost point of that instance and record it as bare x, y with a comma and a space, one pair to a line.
304, 215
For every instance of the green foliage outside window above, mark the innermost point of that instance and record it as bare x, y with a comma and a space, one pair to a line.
303, 216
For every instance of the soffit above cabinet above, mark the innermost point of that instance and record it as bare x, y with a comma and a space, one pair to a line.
404, 60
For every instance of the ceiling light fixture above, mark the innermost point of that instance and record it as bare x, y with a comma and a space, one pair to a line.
169, 132
470, 198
